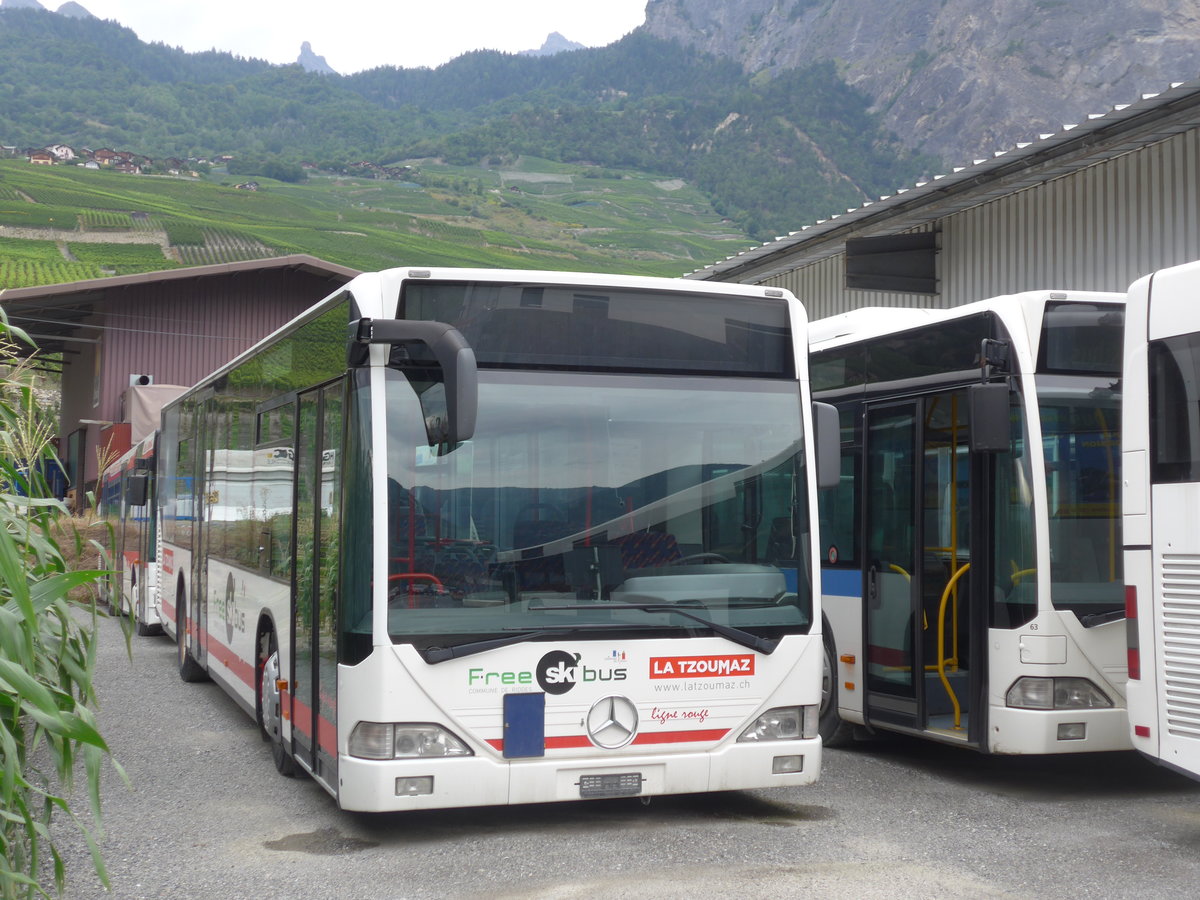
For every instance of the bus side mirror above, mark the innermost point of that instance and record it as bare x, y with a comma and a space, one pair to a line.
988, 410
454, 356
137, 489
827, 433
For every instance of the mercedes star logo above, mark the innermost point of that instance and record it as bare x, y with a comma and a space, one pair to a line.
612, 722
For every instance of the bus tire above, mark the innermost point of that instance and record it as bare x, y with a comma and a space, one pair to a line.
270, 708
834, 732
189, 670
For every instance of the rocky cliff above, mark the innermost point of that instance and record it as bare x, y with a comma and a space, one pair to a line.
313, 62
554, 43
958, 78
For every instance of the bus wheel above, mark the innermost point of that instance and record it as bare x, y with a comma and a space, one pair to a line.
189, 669
270, 705
834, 732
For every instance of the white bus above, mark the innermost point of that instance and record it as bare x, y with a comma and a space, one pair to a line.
465, 537
1161, 506
971, 571
127, 506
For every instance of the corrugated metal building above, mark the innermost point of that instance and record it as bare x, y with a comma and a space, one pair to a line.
1092, 207
168, 327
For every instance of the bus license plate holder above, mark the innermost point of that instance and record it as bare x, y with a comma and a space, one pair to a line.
621, 784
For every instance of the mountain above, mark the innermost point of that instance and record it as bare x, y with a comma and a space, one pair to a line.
767, 152
311, 62
74, 10
554, 43
956, 78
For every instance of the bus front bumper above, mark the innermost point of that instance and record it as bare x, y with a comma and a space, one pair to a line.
395, 785
1022, 731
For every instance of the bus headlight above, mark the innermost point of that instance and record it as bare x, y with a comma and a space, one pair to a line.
784, 723
1056, 693
404, 740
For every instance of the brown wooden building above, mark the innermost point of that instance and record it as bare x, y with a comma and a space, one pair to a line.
169, 327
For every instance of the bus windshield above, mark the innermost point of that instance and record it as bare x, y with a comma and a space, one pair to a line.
1081, 438
600, 501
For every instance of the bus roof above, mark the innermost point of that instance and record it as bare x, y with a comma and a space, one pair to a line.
869, 322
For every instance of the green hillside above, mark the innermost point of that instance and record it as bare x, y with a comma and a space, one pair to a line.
64, 222
769, 151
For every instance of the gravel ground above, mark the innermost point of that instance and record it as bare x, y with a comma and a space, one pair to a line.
208, 817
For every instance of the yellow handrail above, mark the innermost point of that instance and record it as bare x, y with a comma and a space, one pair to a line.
942, 644
953, 521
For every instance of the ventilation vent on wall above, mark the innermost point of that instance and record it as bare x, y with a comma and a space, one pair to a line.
137, 380
899, 262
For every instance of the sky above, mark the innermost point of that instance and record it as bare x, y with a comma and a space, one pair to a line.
354, 35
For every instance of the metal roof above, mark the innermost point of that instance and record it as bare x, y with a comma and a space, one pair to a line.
1100, 136
52, 314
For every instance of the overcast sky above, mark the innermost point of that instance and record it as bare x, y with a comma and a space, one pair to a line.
354, 35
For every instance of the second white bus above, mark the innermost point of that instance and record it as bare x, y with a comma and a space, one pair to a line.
972, 573
1161, 463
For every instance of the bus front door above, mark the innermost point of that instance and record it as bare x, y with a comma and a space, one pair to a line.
918, 591
890, 572
202, 512
318, 505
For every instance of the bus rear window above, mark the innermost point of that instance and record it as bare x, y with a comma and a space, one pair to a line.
1175, 409
1081, 339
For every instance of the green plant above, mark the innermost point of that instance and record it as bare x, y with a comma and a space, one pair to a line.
47, 654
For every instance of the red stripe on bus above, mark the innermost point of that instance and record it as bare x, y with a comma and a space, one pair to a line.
326, 730
233, 662
650, 737
680, 737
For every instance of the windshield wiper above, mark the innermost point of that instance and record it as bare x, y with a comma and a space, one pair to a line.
1101, 618
442, 654
765, 646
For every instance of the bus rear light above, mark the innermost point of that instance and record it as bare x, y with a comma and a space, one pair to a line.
1132, 638
387, 740
1134, 659
1142, 731
1056, 693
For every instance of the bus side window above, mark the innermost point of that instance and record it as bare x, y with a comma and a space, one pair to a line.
838, 509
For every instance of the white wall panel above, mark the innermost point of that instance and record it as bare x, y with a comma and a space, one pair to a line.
1099, 228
